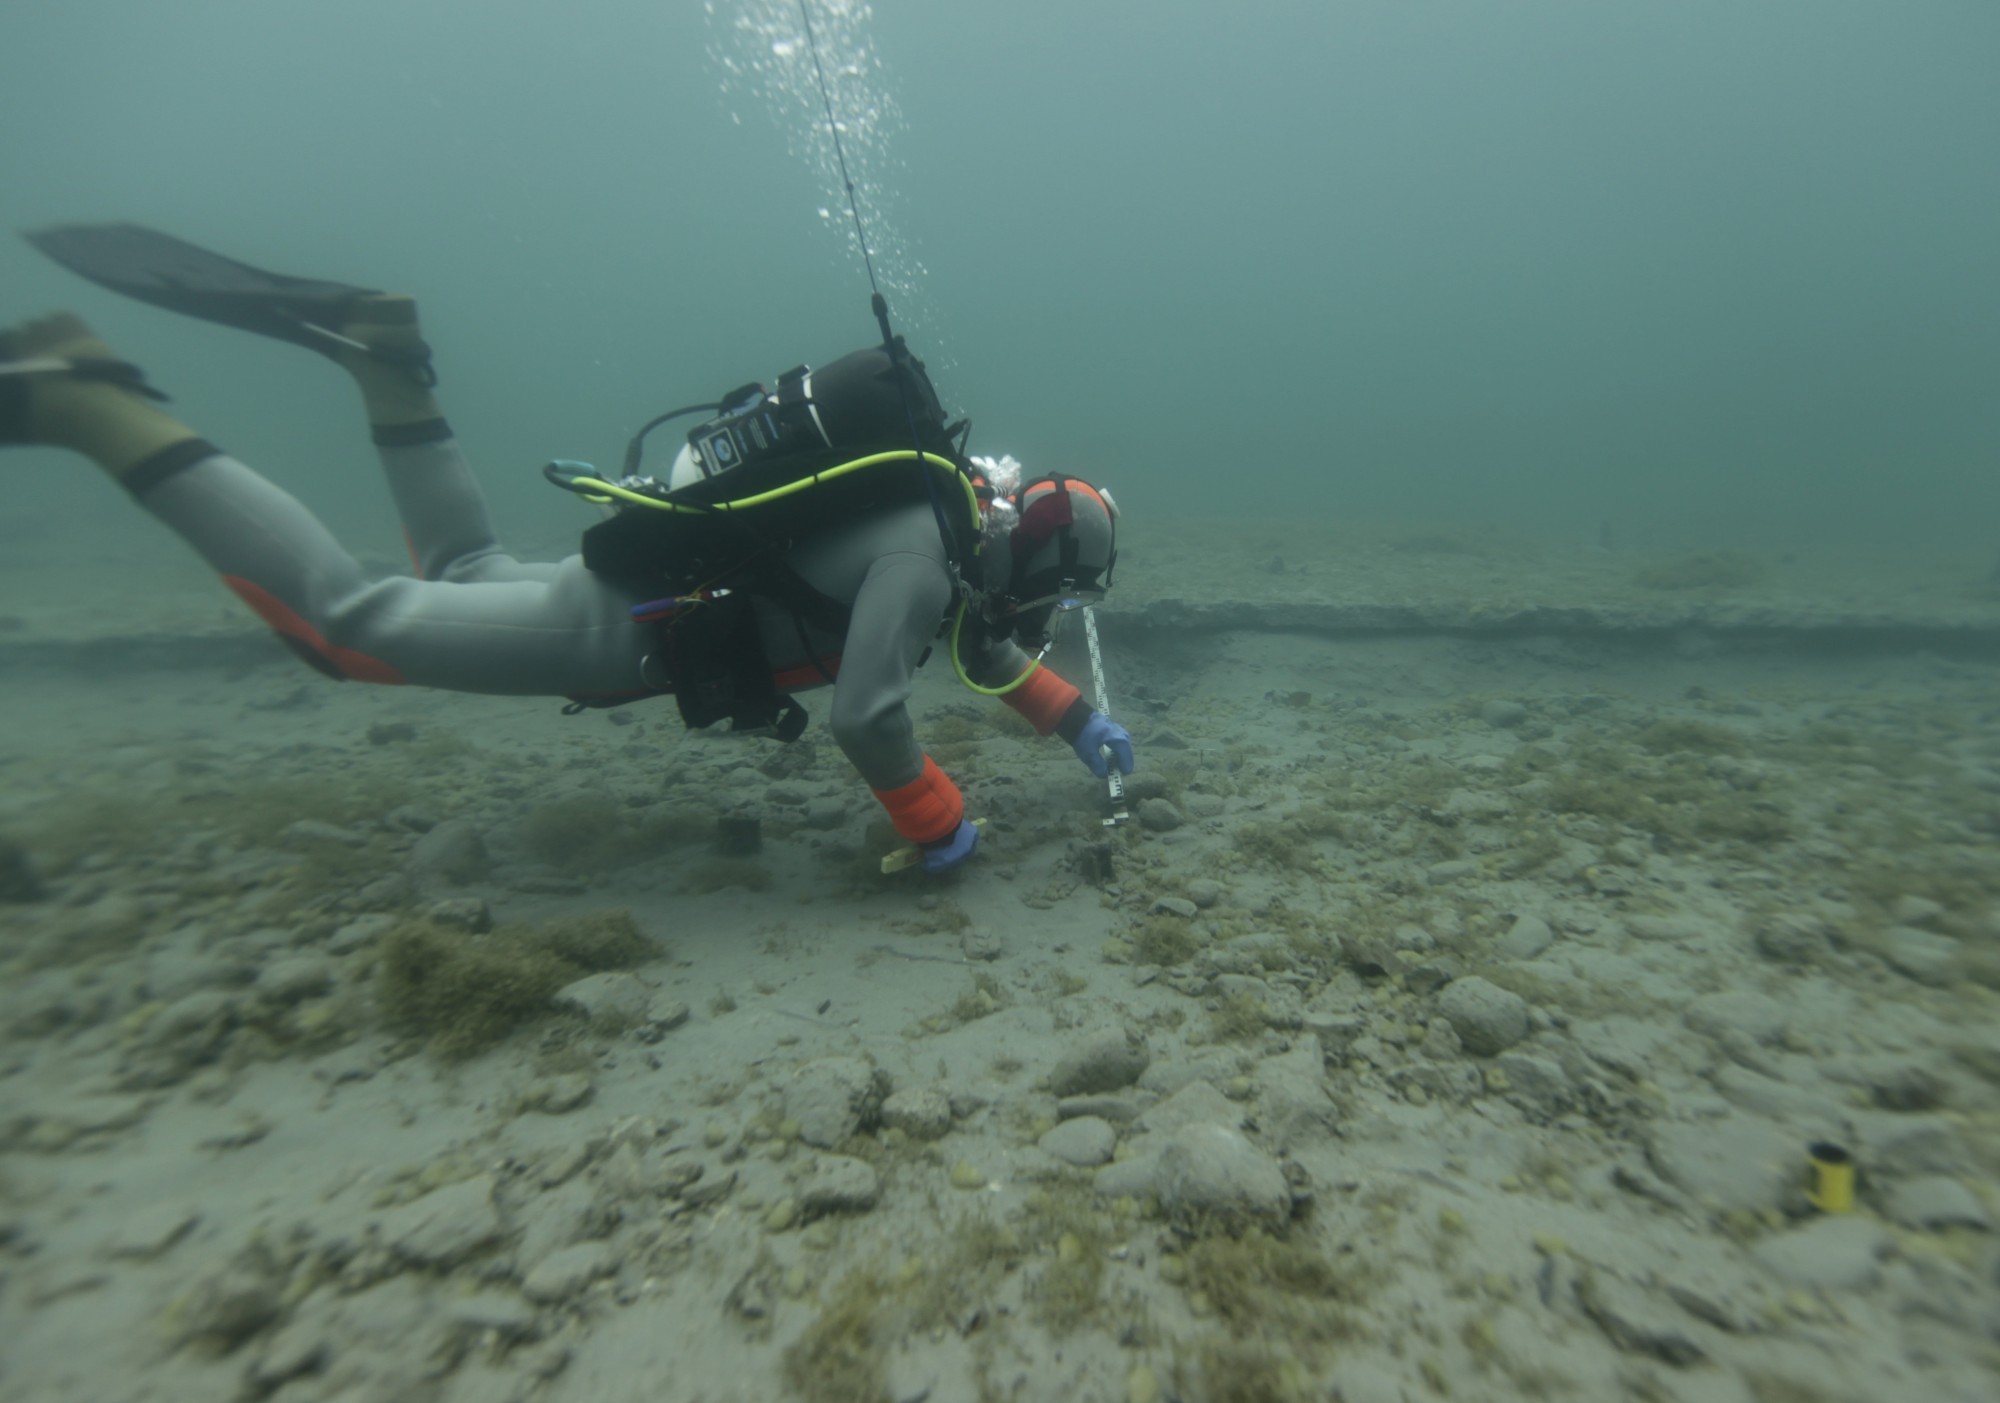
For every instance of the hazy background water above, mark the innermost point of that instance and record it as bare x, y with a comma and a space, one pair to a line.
1705, 271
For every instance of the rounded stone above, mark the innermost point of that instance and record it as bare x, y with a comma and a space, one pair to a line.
451, 852
920, 1112
1087, 1141
1525, 939
839, 1184
1487, 1018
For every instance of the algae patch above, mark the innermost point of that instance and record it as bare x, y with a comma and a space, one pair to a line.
462, 992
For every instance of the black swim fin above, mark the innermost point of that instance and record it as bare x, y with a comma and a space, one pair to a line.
171, 273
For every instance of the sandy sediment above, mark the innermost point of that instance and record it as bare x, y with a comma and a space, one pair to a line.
1495, 933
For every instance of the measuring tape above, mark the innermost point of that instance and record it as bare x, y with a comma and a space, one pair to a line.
1114, 782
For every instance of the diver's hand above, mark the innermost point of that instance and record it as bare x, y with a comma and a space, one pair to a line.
941, 855
1099, 733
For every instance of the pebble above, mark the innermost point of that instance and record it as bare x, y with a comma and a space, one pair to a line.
616, 998
1925, 956
920, 1112
444, 1226
1204, 1173
410, 819
1894, 1081
1107, 1062
1756, 1016
1936, 1202
1525, 939
834, 1097
313, 831
1730, 1162
1413, 938
558, 1094
1293, 1103
360, 931
1536, 1084
452, 852
466, 913
1487, 1018
1201, 891
825, 812
664, 1014
1158, 815
1116, 1109
838, 1184
980, 945
1630, 1320
1142, 1385
1791, 938
497, 1311
1205, 806
1177, 906
1146, 784
1909, 1146
1503, 715
703, 1187
1833, 1254
1918, 911
291, 980
19, 881
1672, 929
566, 1271
966, 1175
1085, 1140
1196, 1103
156, 1228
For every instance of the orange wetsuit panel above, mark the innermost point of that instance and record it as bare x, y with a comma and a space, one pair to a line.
344, 662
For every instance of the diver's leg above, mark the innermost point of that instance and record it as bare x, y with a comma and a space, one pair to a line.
445, 519
60, 385
568, 635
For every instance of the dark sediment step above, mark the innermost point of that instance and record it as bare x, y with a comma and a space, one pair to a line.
1721, 625
1974, 633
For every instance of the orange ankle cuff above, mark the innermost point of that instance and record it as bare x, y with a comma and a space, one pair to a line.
926, 809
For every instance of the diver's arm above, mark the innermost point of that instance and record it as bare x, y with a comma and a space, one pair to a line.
1051, 705
1047, 702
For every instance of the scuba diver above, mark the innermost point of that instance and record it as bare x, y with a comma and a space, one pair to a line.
830, 532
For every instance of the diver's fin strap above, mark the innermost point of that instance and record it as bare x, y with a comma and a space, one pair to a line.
412, 358
123, 374
927, 808
410, 435
15, 373
146, 474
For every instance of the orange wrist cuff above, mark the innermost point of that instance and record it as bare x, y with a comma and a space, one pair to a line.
926, 809
1042, 699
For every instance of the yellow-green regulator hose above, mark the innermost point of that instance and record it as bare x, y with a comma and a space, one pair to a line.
959, 667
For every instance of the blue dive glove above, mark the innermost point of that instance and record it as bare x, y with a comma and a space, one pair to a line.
943, 854
1098, 732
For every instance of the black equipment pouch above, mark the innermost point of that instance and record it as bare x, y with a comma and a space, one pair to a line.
716, 654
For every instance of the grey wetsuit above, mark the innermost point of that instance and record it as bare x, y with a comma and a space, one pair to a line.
478, 620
